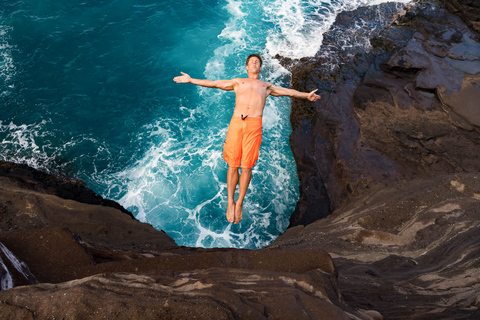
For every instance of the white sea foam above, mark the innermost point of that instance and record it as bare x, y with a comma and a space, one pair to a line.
299, 25
6, 280
163, 187
22, 141
42, 148
20, 266
7, 65
234, 38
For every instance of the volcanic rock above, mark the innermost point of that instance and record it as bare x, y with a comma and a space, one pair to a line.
408, 250
85, 254
468, 10
404, 107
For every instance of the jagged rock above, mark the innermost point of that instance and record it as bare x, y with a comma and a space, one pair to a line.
405, 108
468, 10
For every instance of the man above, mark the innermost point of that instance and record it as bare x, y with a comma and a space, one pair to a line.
244, 134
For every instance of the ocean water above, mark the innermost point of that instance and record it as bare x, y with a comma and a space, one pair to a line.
86, 90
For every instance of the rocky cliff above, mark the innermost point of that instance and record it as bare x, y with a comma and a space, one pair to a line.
74, 256
388, 158
406, 106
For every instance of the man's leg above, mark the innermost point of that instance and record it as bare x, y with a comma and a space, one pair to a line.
242, 191
232, 181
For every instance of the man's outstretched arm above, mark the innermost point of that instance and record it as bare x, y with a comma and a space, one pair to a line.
219, 84
280, 91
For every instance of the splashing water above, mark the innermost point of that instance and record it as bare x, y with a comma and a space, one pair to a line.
87, 90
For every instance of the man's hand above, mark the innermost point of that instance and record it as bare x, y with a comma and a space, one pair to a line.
184, 78
312, 96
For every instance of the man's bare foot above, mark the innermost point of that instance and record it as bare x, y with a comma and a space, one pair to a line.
238, 211
231, 212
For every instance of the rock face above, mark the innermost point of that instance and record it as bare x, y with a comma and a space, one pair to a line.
391, 149
406, 108
409, 251
27, 205
203, 294
84, 254
468, 10
31, 179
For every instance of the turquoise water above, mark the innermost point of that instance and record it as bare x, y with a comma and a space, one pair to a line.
86, 90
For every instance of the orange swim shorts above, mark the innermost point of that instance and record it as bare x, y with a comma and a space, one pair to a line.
242, 144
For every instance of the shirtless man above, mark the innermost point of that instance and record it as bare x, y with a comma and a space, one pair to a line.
245, 131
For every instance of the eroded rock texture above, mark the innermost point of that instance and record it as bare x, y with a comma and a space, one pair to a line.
203, 294
406, 107
93, 261
468, 10
408, 251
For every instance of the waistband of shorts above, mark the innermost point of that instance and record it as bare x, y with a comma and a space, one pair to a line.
256, 119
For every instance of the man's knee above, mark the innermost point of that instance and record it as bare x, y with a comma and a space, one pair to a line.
247, 170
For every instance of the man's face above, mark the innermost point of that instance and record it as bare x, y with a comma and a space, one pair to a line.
253, 65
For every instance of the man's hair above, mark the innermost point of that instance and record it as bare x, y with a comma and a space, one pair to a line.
256, 55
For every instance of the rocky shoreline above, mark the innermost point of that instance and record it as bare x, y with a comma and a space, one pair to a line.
388, 158
406, 108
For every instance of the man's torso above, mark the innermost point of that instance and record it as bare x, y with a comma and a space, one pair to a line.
251, 96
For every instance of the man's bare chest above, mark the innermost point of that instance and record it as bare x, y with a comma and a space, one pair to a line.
251, 89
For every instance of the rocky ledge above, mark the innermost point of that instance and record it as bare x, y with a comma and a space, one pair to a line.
388, 157
73, 256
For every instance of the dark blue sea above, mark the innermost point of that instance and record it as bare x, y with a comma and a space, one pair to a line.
86, 90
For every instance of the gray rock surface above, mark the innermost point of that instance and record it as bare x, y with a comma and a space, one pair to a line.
403, 108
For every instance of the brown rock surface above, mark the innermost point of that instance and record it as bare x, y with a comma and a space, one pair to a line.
94, 261
24, 209
203, 294
468, 10
31, 179
408, 250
